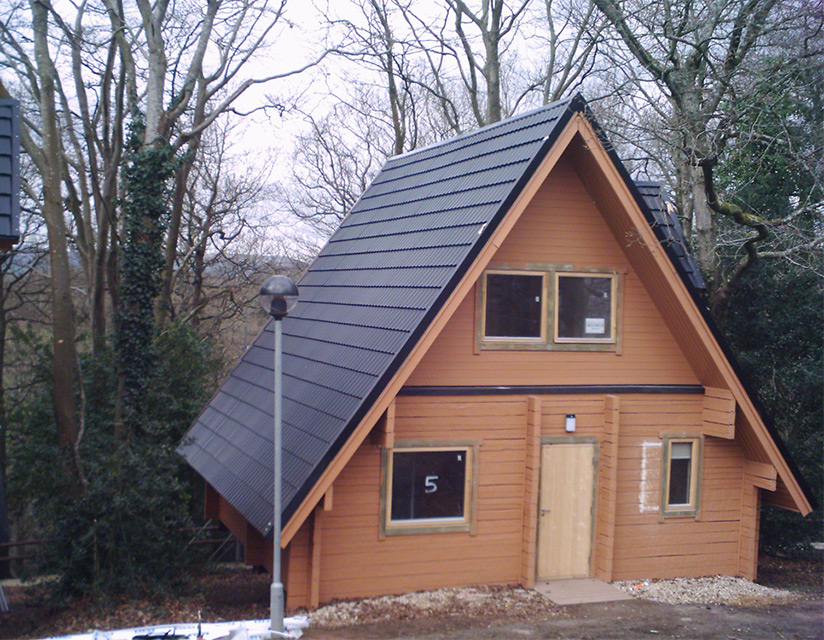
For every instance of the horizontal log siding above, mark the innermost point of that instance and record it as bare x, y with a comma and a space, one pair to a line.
750, 521
649, 546
561, 226
296, 570
356, 562
668, 300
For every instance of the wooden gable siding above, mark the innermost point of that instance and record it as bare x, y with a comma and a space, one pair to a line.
561, 226
682, 317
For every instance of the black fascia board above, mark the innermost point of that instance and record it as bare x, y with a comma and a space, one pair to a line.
550, 389
700, 301
576, 104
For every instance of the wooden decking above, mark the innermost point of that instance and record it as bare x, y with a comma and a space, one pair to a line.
580, 591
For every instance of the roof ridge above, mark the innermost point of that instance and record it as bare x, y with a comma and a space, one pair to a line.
462, 137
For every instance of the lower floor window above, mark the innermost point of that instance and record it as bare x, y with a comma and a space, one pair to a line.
428, 487
681, 466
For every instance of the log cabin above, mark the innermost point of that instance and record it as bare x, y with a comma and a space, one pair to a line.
501, 370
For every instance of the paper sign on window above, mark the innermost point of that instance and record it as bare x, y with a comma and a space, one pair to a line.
594, 325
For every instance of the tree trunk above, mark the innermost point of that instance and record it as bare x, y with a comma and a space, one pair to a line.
704, 225
65, 355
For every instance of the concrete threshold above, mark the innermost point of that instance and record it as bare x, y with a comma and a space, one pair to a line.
580, 591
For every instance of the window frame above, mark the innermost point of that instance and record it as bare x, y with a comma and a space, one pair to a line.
690, 508
544, 320
467, 523
549, 340
613, 319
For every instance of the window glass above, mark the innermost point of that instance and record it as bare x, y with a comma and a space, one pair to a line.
680, 471
584, 307
428, 484
514, 305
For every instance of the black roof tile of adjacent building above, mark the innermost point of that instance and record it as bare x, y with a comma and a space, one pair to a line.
9, 172
367, 298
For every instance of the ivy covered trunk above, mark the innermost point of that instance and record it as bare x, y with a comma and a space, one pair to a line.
146, 176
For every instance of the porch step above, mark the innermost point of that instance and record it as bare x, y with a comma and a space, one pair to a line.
580, 591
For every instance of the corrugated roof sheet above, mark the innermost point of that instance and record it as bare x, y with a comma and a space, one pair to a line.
364, 302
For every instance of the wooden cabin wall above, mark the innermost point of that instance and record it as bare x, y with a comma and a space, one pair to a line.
355, 561
297, 569
649, 546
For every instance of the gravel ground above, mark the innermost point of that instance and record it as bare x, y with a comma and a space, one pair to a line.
713, 590
511, 602
516, 603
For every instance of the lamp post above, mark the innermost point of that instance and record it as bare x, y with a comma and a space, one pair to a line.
278, 296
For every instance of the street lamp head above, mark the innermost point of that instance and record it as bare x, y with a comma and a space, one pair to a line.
278, 296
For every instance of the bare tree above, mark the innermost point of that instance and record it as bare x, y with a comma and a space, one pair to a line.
449, 42
219, 263
375, 45
571, 32
87, 70
335, 160
695, 65
46, 153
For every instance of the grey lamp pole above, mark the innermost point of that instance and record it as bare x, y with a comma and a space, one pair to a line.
278, 296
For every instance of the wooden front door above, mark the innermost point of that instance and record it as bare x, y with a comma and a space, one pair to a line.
565, 510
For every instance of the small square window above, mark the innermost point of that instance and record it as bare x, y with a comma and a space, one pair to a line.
514, 306
428, 489
681, 467
585, 307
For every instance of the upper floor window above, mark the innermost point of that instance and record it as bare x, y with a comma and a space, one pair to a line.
548, 308
585, 307
515, 306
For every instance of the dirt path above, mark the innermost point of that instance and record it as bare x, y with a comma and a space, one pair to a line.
236, 593
633, 620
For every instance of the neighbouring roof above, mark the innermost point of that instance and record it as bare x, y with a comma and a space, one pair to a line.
368, 297
665, 218
9, 172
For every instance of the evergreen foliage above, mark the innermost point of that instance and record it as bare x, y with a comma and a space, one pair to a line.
775, 319
774, 326
125, 534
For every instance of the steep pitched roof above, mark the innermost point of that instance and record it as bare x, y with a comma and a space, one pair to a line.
369, 297
362, 301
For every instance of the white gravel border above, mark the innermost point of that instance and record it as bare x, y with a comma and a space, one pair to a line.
712, 590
